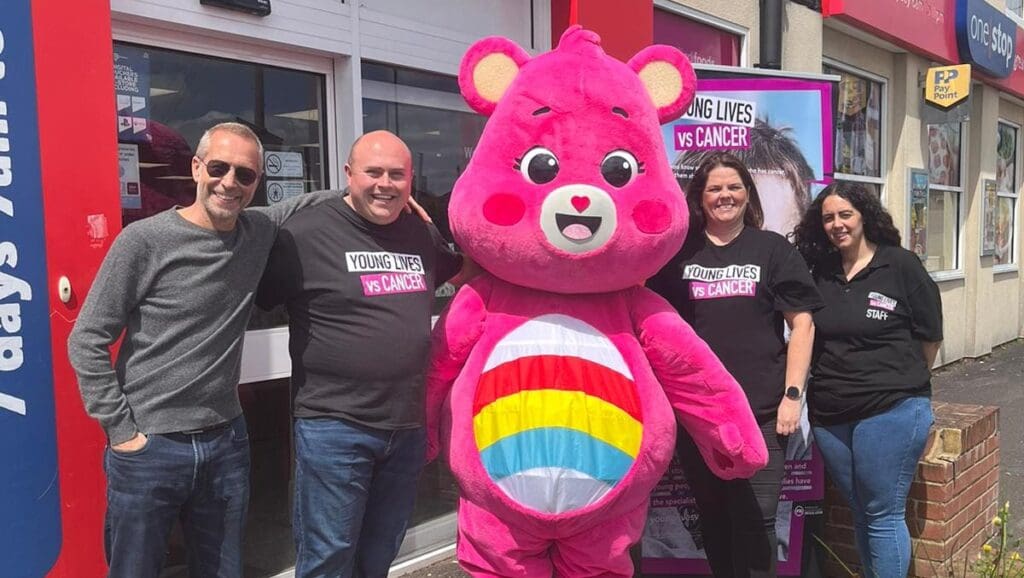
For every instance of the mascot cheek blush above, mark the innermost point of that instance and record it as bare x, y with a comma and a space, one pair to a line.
557, 375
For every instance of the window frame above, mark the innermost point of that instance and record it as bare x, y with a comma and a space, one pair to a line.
724, 25
957, 272
883, 131
1014, 194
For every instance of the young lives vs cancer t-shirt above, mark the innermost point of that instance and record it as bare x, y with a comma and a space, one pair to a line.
359, 298
734, 296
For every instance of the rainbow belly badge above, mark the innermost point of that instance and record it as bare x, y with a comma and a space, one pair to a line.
556, 415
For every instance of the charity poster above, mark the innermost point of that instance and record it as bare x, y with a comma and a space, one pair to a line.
781, 128
131, 91
988, 218
919, 213
673, 543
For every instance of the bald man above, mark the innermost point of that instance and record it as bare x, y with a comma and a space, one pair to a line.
358, 275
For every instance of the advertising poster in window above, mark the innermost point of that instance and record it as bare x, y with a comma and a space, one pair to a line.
919, 213
988, 218
1006, 158
781, 128
131, 89
1004, 231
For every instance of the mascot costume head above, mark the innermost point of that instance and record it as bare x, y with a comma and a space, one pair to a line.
556, 378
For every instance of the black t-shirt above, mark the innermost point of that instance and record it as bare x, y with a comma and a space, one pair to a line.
867, 346
734, 297
359, 297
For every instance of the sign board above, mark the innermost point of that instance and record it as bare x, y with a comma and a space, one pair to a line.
781, 128
986, 37
131, 88
947, 86
30, 501
283, 164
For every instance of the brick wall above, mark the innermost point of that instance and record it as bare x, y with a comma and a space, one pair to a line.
953, 498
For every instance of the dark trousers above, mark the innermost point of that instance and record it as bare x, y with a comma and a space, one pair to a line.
201, 479
355, 488
737, 517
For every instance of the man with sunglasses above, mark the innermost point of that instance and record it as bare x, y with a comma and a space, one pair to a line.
358, 276
179, 286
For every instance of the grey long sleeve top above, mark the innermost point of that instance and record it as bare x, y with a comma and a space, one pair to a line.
182, 295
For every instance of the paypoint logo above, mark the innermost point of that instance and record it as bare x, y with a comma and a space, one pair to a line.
947, 86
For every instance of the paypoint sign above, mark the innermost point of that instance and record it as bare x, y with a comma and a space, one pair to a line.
947, 86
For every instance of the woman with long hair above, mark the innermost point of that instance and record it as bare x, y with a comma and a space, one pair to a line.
738, 285
875, 343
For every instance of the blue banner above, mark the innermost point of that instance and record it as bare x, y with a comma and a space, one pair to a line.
985, 37
131, 89
29, 496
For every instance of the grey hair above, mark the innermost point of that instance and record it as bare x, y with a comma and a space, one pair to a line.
235, 128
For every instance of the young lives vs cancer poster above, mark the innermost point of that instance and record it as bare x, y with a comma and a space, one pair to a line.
781, 128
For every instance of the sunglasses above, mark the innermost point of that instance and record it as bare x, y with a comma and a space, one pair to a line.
218, 169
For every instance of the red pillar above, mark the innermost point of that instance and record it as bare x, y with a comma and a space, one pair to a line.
625, 27
81, 203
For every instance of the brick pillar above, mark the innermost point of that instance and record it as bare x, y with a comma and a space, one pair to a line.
954, 496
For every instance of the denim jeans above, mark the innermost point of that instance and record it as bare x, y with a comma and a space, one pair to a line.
201, 479
355, 488
872, 461
737, 517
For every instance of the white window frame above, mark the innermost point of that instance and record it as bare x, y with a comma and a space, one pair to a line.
1012, 266
958, 250
265, 353
714, 22
883, 134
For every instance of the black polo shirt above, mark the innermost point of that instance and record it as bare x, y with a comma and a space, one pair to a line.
734, 297
867, 346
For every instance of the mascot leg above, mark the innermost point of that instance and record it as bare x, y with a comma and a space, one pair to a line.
490, 548
602, 550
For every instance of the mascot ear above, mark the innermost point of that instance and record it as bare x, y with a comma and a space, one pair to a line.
668, 77
487, 70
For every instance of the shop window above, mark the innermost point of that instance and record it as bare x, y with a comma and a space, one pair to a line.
1006, 194
945, 190
166, 99
428, 113
701, 42
857, 102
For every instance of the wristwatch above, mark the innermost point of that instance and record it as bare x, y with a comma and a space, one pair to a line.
794, 393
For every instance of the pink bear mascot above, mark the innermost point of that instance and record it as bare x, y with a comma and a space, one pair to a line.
555, 374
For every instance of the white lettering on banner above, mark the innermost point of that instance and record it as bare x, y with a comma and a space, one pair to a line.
992, 37
12, 354
381, 261
736, 272
721, 110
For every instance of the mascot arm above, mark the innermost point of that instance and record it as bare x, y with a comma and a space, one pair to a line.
706, 398
454, 336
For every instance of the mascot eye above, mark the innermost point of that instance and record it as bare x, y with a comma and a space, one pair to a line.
538, 165
619, 168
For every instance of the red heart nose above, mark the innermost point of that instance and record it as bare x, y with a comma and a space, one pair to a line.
580, 203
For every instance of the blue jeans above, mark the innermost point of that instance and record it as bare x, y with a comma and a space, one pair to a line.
201, 479
355, 488
872, 461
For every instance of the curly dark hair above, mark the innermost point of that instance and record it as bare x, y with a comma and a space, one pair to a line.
753, 216
809, 236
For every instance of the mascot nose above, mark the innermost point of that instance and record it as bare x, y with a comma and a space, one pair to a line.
580, 203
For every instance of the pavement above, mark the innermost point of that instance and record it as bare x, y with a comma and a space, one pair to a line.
995, 379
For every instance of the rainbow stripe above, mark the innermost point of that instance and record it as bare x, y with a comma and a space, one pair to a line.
556, 415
